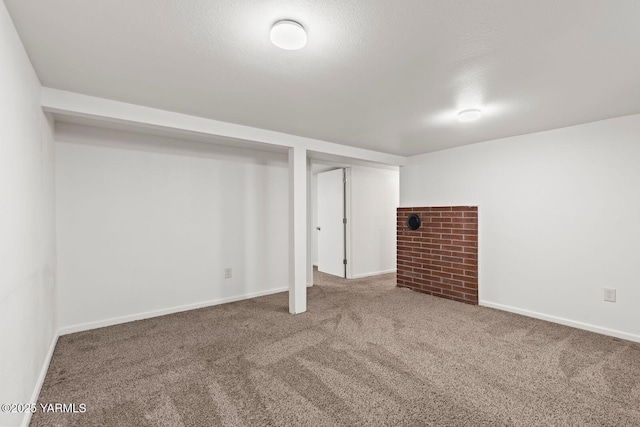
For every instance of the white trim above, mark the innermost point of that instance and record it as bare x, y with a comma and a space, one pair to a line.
375, 273
309, 227
563, 321
43, 373
164, 311
347, 199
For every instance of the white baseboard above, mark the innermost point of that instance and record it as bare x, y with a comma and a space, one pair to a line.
43, 373
375, 273
161, 312
562, 321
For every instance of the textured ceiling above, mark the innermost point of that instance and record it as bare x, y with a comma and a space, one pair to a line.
378, 74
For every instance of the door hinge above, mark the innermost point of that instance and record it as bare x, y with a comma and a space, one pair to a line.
344, 220
344, 261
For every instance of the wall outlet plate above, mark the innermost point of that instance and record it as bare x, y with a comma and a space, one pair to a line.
228, 273
610, 294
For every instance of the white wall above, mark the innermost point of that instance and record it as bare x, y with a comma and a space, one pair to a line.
147, 225
559, 219
27, 232
373, 202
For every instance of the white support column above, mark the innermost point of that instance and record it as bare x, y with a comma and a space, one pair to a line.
297, 230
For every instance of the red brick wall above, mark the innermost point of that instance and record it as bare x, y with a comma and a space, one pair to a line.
441, 257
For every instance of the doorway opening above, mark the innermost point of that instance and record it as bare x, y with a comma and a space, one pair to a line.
332, 230
352, 219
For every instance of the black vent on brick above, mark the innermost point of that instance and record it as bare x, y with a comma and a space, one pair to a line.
413, 222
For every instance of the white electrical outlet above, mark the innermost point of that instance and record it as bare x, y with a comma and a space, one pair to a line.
610, 294
227, 273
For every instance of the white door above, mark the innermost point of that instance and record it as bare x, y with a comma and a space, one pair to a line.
331, 252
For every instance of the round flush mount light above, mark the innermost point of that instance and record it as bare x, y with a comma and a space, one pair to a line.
288, 35
469, 115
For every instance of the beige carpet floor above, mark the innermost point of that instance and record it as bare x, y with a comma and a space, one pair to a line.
365, 353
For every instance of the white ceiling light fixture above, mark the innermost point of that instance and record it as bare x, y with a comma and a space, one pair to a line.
469, 115
288, 35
